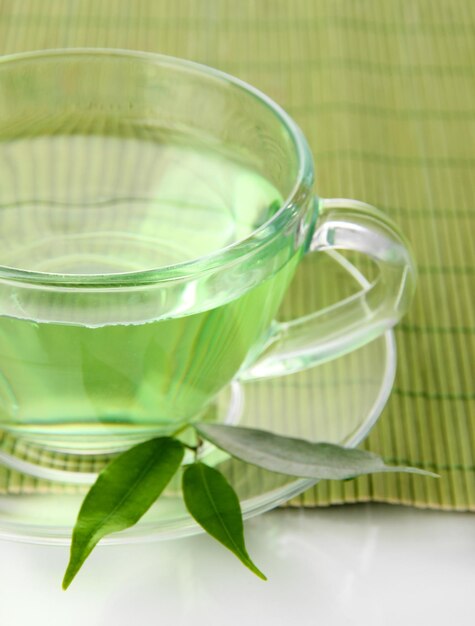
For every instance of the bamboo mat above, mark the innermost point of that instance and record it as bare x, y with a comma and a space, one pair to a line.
384, 90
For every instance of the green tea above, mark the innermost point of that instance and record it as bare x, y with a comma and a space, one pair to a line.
104, 205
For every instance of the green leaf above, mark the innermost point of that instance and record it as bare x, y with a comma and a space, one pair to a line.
122, 493
213, 503
296, 457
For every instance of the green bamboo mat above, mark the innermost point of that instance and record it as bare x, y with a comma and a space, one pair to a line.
384, 91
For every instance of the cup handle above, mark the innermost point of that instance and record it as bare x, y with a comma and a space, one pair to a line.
331, 332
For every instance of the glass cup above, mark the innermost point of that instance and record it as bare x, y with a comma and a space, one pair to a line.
153, 212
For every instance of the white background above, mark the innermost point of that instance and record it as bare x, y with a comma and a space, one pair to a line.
366, 564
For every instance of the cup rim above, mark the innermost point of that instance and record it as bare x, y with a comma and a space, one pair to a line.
222, 257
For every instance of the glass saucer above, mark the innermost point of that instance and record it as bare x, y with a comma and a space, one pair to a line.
338, 401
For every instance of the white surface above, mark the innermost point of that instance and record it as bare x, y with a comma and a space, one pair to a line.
369, 565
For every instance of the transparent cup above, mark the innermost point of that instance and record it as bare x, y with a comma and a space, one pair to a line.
153, 214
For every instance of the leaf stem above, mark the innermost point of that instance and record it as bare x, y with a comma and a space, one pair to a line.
199, 443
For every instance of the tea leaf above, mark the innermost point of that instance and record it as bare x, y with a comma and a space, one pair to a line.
297, 457
122, 493
213, 503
